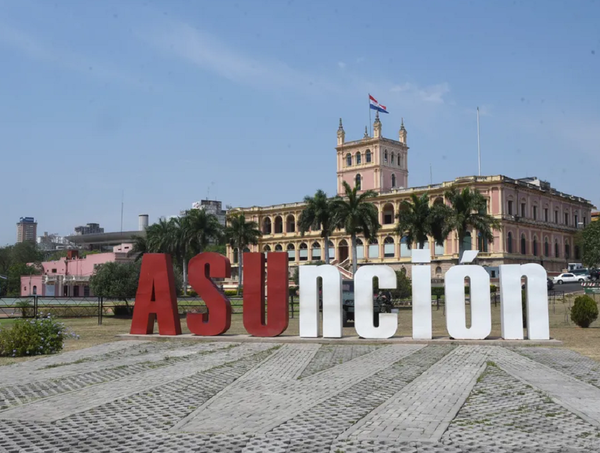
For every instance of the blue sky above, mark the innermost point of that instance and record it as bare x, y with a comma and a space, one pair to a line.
166, 100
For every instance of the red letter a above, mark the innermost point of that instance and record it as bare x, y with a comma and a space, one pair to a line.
155, 298
202, 267
277, 293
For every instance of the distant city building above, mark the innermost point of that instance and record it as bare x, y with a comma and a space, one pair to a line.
26, 229
213, 207
97, 239
90, 228
50, 242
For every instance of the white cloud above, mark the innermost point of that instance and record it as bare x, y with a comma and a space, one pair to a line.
35, 48
341, 65
432, 93
209, 53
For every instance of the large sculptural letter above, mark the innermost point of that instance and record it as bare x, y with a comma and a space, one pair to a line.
481, 310
277, 293
421, 295
363, 302
538, 323
155, 299
309, 301
218, 319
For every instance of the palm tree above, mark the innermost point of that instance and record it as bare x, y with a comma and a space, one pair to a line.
140, 246
417, 220
357, 215
239, 234
318, 215
159, 237
469, 210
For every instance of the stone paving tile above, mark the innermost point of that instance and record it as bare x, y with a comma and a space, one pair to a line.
333, 355
424, 408
17, 373
60, 406
48, 385
505, 413
567, 361
259, 403
577, 396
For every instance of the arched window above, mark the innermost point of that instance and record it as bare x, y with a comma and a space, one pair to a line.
567, 250
535, 246
360, 249
358, 158
388, 247
373, 248
348, 160
278, 224
303, 250
368, 156
291, 250
385, 156
393, 180
235, 256
438, 270
290, 224
438, 249
482, 243
267, 248
331, 250
556, 250
523, 245
392, 159
34, 290
467, 242
357, 181
404, 247
315, 251
546, 247
509, 242
388, 214
267, 225
278, 248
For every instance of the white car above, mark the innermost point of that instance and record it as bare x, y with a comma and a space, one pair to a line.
570, 278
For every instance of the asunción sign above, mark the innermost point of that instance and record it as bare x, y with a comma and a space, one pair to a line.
156, 298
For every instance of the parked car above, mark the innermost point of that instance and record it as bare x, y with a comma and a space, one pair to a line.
570, 278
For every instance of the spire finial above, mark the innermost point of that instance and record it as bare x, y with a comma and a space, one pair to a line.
366, 133
341, 127
377, 115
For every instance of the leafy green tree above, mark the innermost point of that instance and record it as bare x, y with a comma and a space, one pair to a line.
140, 246
417, 220
318, 215
356, 214
589, 241
25, 252
403, 286
116, 281
469, 210
240, 233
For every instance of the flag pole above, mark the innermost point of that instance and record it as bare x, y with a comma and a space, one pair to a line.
478, 146
370, 125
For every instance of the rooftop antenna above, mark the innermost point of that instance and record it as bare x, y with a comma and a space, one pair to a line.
478, 146
430, 174
122, 203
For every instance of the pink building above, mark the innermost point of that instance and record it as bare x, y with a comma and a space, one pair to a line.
70, 276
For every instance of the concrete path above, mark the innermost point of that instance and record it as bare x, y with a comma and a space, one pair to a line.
175, 396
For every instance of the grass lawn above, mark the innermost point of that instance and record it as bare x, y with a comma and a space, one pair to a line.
584, 341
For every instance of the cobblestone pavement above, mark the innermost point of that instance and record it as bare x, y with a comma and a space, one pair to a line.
175, 396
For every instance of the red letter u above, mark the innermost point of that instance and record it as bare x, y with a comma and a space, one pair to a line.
277, 293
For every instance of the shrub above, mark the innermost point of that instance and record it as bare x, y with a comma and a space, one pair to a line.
33, 337
584, 311
231, 292
437, 291
26, 308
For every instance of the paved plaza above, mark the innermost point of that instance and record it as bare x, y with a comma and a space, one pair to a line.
185, 396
